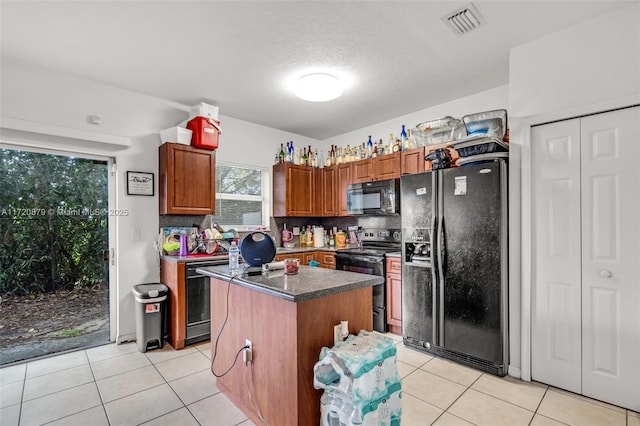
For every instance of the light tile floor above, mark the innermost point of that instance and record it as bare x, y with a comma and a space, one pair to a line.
117, 385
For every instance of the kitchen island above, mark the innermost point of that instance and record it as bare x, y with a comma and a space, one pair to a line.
288, 319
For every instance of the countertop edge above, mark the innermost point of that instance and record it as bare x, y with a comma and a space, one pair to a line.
243, 280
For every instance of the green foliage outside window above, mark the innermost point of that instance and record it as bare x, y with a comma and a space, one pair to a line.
53, 222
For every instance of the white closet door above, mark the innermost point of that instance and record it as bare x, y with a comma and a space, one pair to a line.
611, 257
556, 317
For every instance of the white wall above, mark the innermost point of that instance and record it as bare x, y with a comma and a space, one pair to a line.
590, 63
44, 99
497, 98
254, 144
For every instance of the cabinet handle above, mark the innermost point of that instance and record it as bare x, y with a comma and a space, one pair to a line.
606, 274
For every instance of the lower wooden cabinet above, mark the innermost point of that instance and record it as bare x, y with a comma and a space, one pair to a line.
327, 259
172, 274
394, 294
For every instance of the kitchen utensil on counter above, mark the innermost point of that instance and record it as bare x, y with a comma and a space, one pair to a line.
318, 236
287, 237
184, 249
341, 239
355, 236
210, 246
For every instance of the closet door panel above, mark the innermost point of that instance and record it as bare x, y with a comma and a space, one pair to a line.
556, 331
610, 145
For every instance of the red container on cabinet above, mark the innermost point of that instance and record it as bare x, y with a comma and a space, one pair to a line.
206, 132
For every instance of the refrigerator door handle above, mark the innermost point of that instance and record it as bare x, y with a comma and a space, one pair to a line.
441, 250
435, 270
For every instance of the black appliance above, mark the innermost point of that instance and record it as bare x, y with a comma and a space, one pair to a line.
374, 198
370, 259
455, 264
197, 296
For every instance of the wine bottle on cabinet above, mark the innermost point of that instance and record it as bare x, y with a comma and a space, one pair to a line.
403, 138
281, 154
287, 154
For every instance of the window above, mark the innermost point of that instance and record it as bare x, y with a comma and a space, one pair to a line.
241, 197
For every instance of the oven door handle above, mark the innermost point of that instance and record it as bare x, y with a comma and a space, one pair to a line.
367, 259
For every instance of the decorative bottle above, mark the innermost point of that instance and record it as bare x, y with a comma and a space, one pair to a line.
403, 138
291, 151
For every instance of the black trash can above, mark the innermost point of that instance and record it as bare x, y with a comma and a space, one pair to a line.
151, 312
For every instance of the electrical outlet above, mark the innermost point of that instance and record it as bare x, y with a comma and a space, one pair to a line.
247, 353
337, 334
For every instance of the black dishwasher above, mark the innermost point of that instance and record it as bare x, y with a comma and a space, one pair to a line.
197, 296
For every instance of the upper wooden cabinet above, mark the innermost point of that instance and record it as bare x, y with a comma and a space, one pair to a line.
343, 177
362, 171
387, 166
379, 168
187, 180
326, 191
412, 161
293, 190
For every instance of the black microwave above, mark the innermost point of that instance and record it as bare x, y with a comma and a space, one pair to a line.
374, 198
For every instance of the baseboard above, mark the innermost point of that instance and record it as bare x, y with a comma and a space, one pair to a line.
515, 372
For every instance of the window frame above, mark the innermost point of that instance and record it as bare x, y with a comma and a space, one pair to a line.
265, 178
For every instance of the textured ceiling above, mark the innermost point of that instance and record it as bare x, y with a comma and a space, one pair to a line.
396, 57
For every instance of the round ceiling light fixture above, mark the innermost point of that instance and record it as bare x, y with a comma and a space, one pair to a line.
318, 87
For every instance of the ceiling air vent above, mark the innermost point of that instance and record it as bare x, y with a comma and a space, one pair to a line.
464, 20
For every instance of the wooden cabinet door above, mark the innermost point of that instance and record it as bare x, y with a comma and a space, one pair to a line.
187, 180
394, 300
362, 170
412, 161
343, 177
307, 257
326, 259
293, 193
394, 294
299, 190
172, 274
387, 166
326, 191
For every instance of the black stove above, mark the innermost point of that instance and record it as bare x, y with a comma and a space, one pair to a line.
370, 259
376, 242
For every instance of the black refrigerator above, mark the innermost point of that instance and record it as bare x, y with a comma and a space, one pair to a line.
455, 264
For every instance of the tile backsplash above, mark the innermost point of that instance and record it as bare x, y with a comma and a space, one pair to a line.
276, 224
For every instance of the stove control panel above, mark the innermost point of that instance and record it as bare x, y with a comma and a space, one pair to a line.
381, 234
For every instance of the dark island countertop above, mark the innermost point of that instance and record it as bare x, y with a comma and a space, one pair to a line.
309, 283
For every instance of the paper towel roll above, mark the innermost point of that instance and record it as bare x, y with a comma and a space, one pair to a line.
273, 266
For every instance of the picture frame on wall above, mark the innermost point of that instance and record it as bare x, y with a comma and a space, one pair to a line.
140, 183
